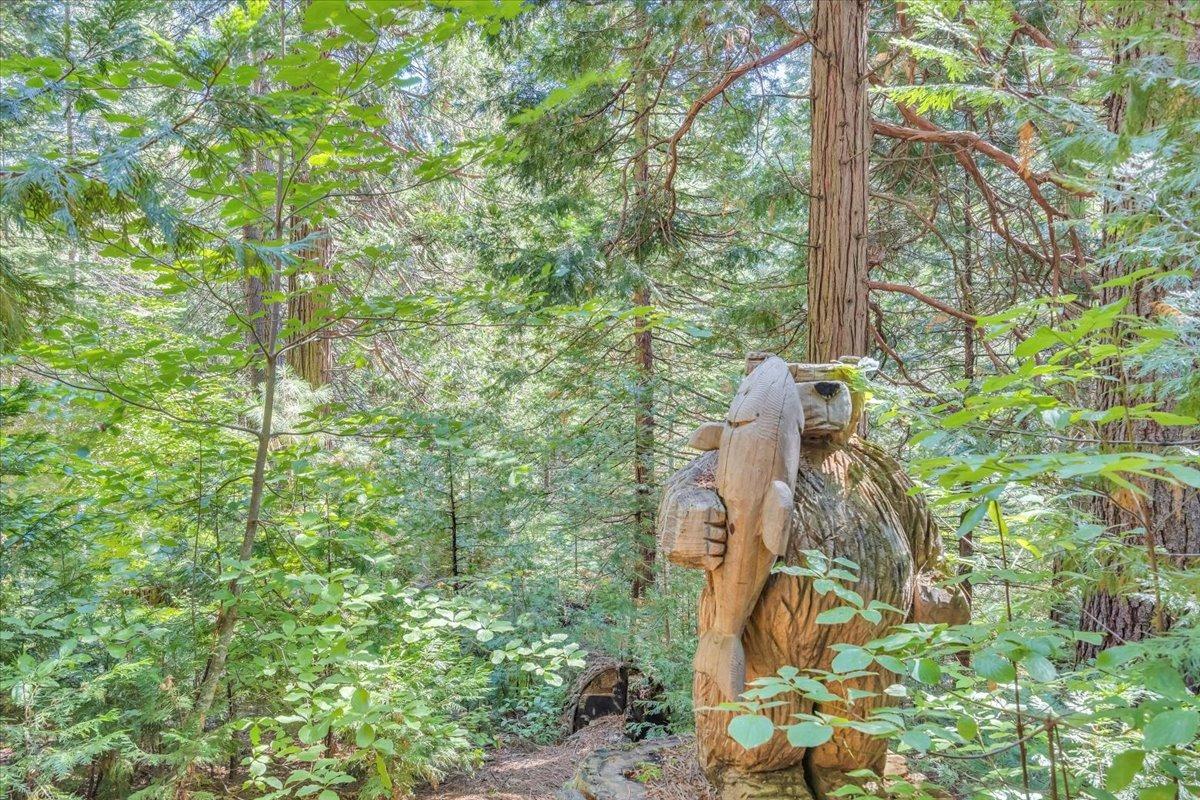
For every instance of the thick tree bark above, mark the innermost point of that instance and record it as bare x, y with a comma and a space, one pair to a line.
841, 143
308, 352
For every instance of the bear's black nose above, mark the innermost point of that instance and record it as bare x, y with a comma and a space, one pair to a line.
827, 389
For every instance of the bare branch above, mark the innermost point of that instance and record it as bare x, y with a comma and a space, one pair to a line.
884, 286
925, 131
727, 80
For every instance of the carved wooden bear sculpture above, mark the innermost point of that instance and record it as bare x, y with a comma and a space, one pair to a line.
784, 474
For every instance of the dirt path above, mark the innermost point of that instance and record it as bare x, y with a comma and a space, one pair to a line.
530, 773
537, 773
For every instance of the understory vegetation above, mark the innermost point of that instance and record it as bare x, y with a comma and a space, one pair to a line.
345, 347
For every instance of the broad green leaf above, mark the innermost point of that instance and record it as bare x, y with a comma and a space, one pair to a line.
1164, 791
1171, 728
836, 616
917, 740
1123, 769
967, 728
751, 730
808, 734
1040, 668
381, 769
993, 666
851, 659
926, 670
1184, 474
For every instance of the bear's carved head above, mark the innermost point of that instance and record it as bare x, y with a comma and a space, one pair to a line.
832, 406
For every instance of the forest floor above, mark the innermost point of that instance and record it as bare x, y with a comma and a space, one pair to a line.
538, 772
528, 772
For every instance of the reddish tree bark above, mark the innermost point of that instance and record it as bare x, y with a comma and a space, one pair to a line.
841, 148
308, 352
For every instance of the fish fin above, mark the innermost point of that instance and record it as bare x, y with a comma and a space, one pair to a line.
720, 656
777, 517
707, 436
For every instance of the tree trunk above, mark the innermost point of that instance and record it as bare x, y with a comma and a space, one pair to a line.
256, 310
1166, 521
308, 352
643, 339
644, 451
841, 141
225, 626
452, 514
227, 617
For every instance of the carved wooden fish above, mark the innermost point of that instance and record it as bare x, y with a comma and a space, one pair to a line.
756, 477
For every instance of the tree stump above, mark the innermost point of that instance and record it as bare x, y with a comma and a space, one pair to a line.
608, 686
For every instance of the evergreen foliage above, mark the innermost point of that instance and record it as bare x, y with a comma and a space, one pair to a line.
220, 577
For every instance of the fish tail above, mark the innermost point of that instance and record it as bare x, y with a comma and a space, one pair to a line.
720, 656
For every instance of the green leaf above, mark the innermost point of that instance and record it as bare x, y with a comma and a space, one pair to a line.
1167, 418
1115, 656
993, 666
836, 616
967, 728
751, 730
1164, 791
926, 670
891, 663
1040, 668
381, 769
1123, 769
365, 735
917, 740
851, 659
808, 734
971, 519
328, 794
1162, 677
360, 701
1183, 474
874, 727
1171, 728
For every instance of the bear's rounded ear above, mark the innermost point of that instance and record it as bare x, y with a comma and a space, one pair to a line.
754, 358
707, 436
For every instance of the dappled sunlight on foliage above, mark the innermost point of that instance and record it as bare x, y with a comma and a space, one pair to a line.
346, 347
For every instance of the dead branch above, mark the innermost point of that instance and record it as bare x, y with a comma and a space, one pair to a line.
727, 80
884, 286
